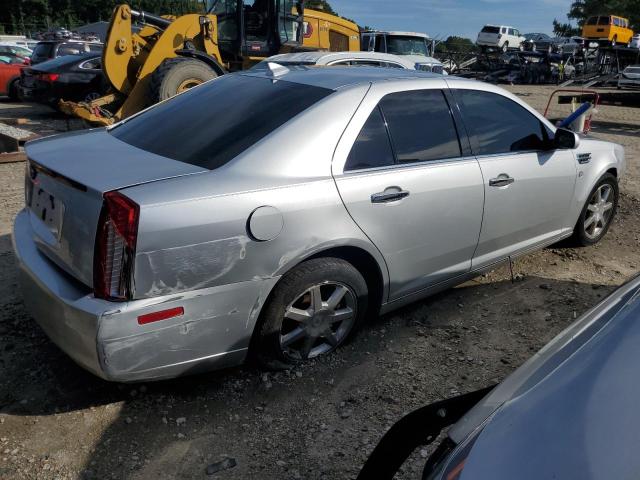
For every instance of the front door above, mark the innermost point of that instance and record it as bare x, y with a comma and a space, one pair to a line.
528, 188
409, 188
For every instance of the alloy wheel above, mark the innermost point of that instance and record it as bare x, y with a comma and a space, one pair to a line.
318, 320
599, 211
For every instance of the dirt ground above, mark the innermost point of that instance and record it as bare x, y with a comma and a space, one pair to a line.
316, 422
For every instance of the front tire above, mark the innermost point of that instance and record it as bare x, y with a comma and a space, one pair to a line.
598, 212
176, 75
314, 309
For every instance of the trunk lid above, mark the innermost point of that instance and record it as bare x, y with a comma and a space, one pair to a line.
66, 178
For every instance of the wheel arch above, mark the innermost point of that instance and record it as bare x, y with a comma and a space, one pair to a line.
371, 267
203, 57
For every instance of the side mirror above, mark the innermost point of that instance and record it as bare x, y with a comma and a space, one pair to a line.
566, 139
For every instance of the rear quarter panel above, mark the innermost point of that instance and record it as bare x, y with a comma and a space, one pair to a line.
193, 231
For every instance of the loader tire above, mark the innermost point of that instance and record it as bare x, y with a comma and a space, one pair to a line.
176, 75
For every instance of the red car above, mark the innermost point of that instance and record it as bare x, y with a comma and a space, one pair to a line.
9, 76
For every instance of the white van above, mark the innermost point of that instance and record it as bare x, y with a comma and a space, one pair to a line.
501, 37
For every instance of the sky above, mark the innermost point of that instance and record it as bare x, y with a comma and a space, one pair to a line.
442, 18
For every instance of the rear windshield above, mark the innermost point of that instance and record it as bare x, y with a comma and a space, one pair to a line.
71, 49
592, 20
489, 29
604, 20
632, 70
212, 124
55, 63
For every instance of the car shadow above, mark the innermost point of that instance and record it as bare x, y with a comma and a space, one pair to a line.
615, 128
316, 421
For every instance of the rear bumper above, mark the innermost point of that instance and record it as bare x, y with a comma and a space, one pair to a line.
36, 94
105, 338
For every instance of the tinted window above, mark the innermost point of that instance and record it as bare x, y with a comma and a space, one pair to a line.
421, 126
190, 127
372, 148
95, 47
489, 29
499, 125
604, 20
512, 31
592, 20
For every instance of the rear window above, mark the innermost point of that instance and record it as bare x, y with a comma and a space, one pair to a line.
604, 20
71, 49
592, 20
212, 124
634, 70
489, 29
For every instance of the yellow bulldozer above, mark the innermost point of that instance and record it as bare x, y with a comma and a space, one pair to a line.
149, 58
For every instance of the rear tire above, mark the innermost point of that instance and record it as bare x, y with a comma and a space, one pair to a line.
176, 75
12, 91
585, 233
294, 329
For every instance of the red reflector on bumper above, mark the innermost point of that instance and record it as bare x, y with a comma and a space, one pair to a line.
161, 315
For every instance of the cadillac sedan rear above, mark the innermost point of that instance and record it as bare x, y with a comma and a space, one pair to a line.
142, 255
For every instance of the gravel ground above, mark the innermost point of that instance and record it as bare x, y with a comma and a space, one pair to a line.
316, 422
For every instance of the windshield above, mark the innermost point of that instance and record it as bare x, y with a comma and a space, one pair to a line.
407, 45
632, 70
189, 127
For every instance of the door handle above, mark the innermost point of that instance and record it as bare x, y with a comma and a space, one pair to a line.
501, 180
389, 196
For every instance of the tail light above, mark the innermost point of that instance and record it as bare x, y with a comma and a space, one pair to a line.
115, 247
49, 77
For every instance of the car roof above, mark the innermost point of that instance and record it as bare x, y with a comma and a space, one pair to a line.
323, 58
338, 77
400, 33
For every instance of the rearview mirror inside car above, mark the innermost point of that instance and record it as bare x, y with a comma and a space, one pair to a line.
566, 139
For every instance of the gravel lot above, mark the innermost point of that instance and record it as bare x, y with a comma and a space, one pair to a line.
316, 422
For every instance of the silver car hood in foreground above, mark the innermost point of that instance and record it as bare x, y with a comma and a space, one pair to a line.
101, 162
572, 410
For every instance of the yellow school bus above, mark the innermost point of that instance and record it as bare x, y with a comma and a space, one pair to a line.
608, 28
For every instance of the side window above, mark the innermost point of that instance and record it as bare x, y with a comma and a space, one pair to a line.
421, 126
512, 31
372, 147
381, 44
497, 124
365, 63
503, 30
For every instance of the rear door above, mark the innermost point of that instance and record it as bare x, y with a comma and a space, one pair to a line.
410, 186
528, 188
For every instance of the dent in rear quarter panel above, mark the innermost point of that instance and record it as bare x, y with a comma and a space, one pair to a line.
194, 249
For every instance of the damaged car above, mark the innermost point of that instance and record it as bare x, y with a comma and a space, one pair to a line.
180, 240
570, 411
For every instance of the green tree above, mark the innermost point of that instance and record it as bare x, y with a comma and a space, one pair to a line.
455, 44
582, 9
564, 29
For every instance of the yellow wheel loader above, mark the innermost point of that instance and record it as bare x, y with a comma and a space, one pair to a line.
168, 55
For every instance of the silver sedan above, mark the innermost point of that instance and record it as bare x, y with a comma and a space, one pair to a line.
272, 213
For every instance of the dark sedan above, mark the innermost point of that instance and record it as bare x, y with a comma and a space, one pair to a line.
570, 412
73, 77
540, 42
